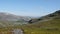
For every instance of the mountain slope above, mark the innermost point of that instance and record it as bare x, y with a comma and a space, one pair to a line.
7, 19
11, 17
55, 15
51, 25
45, 27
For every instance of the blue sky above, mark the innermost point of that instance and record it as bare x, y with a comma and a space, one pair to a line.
29, 7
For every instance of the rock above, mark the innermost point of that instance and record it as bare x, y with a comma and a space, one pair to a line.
17, 31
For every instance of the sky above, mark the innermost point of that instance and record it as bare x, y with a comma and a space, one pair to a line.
29, 7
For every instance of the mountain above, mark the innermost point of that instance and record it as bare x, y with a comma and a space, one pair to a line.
49, 24
55, 15
11, 17
7, 19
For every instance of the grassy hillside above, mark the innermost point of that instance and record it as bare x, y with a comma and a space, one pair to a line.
47, 27
50, 24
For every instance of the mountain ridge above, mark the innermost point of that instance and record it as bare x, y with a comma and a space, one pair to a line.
54, 15
8, 16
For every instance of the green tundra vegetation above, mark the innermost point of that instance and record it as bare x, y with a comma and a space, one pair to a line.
49, 24
47, 27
